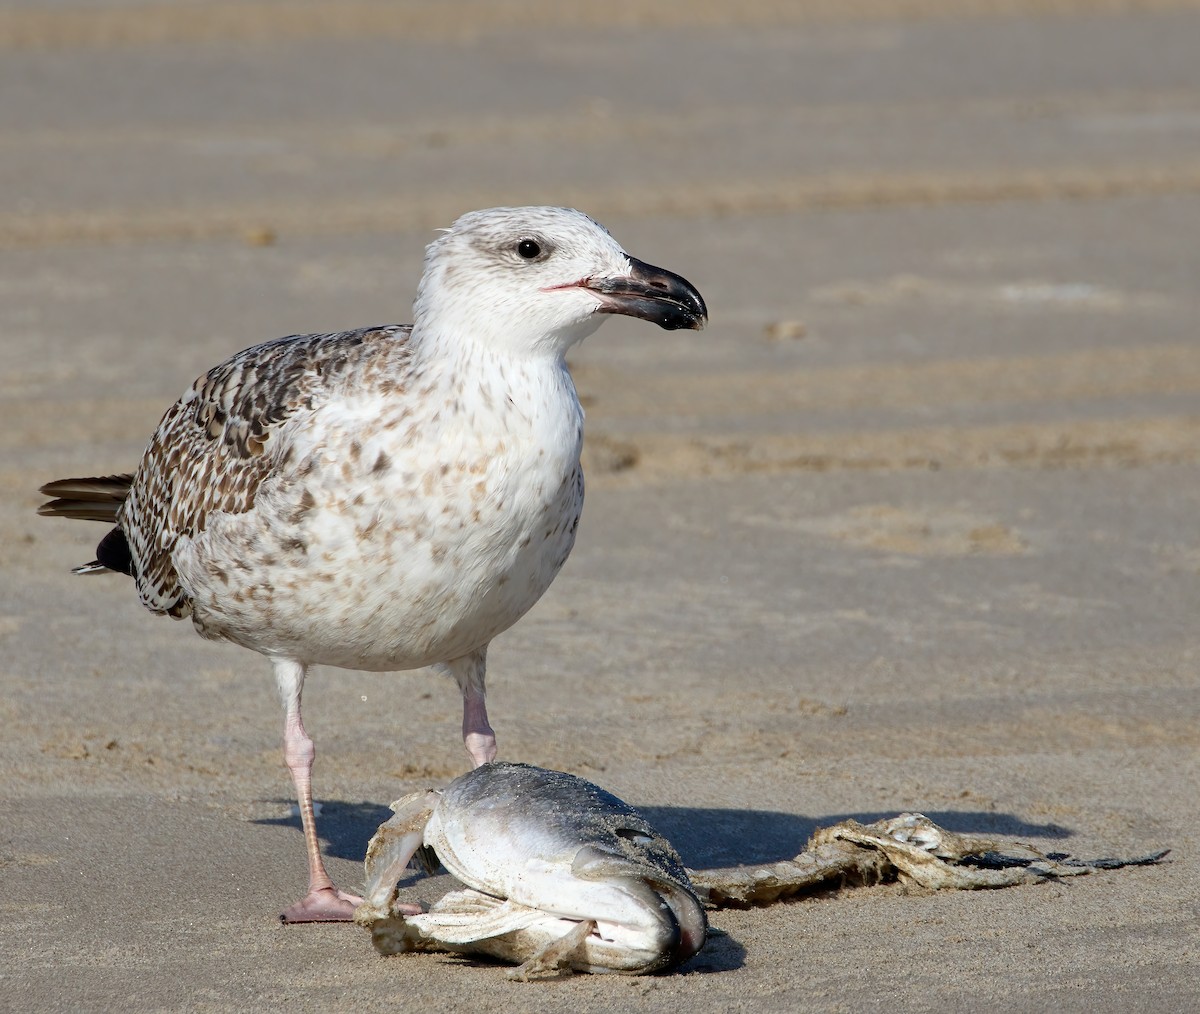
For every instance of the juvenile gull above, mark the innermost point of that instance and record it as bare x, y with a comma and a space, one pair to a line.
387, 498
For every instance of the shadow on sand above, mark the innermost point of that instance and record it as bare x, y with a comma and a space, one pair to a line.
727, 837
344, 827
704, 837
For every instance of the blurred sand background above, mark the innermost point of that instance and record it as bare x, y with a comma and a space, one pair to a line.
912, 525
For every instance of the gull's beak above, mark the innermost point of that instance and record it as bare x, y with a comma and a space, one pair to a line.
653, 294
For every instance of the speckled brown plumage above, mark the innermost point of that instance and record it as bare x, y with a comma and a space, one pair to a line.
214, 447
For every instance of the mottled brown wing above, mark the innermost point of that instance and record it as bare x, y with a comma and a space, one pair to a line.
215, 446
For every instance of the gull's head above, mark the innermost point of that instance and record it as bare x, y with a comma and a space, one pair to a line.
537, 280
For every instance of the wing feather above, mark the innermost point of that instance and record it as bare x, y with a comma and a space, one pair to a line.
214, 448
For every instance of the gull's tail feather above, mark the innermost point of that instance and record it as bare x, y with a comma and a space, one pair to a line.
94, 499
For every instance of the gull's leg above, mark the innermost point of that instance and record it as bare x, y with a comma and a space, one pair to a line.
324, 902
478, 738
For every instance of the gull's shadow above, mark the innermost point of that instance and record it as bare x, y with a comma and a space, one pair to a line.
714, 837
344, 827
703, 836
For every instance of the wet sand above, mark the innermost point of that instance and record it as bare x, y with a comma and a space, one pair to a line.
911, 526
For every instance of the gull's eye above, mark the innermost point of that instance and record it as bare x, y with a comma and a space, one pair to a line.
529, 249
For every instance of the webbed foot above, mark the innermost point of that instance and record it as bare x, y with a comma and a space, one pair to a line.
327, 904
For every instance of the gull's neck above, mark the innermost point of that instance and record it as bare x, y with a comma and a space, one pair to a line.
494, 389
439, 347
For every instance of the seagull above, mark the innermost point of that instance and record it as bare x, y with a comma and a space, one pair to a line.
386, 498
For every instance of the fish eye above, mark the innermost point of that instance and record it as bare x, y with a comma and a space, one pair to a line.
529, 249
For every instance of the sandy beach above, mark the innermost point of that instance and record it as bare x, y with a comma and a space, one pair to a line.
912, 526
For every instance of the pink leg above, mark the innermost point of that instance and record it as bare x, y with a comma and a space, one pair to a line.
324, 902
478, 737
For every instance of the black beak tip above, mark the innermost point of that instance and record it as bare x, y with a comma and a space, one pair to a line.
691, 315
665, 298
699, 317
684, 308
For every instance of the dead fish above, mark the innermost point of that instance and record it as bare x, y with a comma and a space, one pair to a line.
560, 874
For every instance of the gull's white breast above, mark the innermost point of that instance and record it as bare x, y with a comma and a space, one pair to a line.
408, 528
